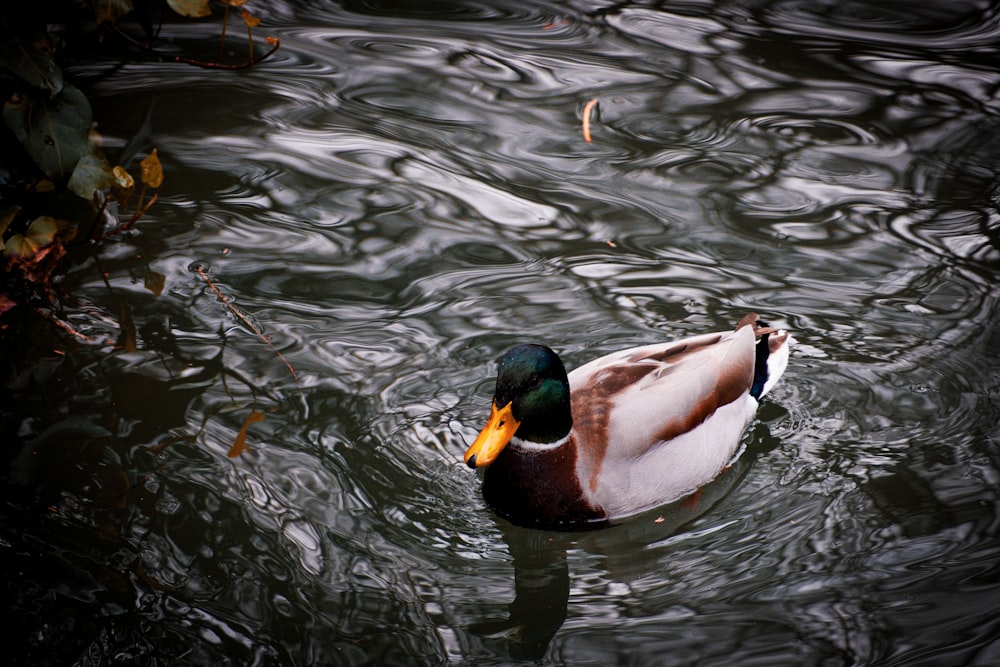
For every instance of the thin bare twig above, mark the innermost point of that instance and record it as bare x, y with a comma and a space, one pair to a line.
275, 44
63, 325
249, 324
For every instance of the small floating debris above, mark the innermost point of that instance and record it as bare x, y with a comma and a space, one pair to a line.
587, 110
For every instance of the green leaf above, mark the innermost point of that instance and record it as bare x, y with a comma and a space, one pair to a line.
54, 132
92, 173
31, 61
192, 9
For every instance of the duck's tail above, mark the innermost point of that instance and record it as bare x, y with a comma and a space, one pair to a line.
773, 348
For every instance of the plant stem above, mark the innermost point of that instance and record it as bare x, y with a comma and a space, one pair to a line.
222, 40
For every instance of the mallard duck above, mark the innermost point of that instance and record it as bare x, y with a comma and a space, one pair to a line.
624, 433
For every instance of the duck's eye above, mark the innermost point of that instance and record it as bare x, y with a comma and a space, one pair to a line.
534, 381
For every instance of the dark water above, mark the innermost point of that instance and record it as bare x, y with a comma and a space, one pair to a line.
402, 193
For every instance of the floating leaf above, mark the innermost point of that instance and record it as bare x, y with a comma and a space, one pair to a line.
92, 173
251, 20
587, 109
193, 9
122, 187
40, 233
155, 281
151, 171
54, 132
240, 443
31, 61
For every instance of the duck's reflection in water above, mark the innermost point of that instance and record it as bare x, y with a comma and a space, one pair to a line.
541, 570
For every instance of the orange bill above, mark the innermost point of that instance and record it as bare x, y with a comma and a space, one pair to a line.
493, 438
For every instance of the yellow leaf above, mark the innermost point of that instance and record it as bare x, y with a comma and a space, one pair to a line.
42, 230
193, 9
151, 171
240, 443
251, 20
40, 233
17, 246
234, 3
122, 186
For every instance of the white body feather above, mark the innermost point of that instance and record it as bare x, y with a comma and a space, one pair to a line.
636, 469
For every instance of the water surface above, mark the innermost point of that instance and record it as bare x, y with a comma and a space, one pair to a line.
401, 194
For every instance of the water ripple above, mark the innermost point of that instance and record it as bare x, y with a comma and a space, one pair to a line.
402, 193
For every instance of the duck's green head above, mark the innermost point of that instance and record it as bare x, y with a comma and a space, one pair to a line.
531, 401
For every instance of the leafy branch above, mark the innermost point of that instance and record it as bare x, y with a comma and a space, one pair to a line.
274, 43
58, 187
56, 180
201, 9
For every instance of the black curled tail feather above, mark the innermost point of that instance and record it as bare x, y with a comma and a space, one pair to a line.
760, 370
770, 356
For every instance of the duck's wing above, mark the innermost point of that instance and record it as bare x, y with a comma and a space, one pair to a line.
635, 404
